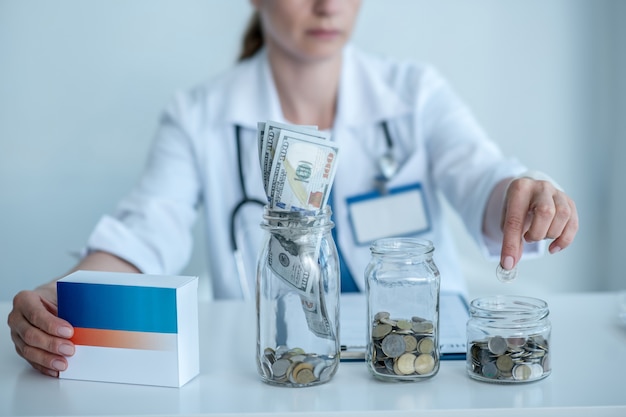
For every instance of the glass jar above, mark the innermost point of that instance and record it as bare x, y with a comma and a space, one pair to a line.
297, 298
508, 339
402, 288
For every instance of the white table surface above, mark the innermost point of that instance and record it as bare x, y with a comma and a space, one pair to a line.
588, 377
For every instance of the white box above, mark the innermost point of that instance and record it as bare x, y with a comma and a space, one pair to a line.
131, 328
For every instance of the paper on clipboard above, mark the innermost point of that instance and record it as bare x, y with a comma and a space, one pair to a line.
453, 315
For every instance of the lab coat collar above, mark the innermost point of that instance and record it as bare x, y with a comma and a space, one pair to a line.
365, 97
249, 93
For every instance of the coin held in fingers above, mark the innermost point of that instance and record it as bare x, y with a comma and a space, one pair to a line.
506, 275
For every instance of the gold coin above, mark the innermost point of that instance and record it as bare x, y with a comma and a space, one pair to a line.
423, 327
305, 376
426, 345
300, 366
404, 324
522, 372
504, 363
406, 364
396, 370
381, 330
411, 343
424, 364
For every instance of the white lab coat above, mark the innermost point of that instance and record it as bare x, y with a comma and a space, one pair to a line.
193, 163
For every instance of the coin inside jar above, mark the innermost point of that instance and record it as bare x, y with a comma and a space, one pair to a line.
393, 345
397, 350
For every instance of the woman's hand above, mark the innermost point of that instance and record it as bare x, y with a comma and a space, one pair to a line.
39, 335
534, 210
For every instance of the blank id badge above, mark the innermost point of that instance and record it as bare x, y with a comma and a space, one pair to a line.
402, 211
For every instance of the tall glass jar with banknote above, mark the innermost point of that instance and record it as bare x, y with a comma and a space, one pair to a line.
297, 299
508, 339
403, 310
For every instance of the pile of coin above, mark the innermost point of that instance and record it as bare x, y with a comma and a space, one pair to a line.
295, 367
510, 359
403, 347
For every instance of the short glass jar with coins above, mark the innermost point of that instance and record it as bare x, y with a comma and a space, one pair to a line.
402, 289
508, 339
297, 299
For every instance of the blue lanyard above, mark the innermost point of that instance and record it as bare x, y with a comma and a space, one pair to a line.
347, 282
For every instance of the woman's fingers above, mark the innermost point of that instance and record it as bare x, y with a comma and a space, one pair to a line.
40, 336
535, 210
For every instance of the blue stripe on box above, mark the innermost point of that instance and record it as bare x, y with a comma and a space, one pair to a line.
118, 307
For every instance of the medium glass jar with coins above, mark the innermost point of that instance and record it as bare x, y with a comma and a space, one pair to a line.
508, 339
297, 297
402, 289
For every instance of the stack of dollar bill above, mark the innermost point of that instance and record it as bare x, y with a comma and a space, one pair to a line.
298, 165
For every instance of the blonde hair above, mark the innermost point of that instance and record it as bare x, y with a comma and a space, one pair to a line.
253, 38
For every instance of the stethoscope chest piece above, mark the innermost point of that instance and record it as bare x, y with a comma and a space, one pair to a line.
387, 163
388, 166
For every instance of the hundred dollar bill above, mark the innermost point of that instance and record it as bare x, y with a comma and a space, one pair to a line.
316, 315
302, 172
269, 138
295, 262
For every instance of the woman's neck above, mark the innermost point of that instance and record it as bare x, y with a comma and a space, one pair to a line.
307, 90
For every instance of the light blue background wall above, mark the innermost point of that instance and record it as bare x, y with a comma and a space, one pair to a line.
82, 84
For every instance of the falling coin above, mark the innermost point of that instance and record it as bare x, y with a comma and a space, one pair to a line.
506, 275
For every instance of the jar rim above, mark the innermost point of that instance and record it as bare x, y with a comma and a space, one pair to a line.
279, 219
508, 305
392, 245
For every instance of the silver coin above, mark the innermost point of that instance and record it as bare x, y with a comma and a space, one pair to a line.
279, 368
506, 275
393, 345
490, 370
497, 345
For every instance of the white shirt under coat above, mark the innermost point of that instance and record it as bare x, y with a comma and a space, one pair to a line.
192, 166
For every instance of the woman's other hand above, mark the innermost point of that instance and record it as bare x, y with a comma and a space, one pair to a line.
39, 335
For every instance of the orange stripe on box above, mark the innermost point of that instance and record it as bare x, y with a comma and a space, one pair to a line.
124, 339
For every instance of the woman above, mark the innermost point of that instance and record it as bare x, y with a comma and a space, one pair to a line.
393, 120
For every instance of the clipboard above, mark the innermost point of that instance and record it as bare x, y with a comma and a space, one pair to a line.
453, 316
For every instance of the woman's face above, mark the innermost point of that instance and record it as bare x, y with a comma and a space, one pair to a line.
307, 30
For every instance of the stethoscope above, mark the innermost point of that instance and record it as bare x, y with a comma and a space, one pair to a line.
387, 165
245, 199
